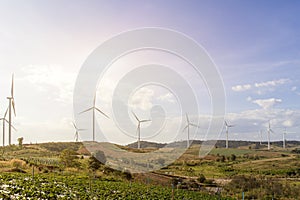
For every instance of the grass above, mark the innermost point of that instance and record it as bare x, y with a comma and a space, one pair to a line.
277, 164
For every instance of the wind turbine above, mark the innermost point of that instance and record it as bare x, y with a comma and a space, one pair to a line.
139, 128
3, 126
269, 131
11, 106
77, 131
188, 129
283, 138
227, 129
260, 135
94, 109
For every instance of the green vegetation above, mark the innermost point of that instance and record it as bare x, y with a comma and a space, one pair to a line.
83, 187
68, 171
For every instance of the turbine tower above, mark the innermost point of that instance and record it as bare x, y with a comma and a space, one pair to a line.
3, 126
188, 129
227, 129
269, 131
283, 138
10, 107
77, 132
260, 135
94, 109
139, 128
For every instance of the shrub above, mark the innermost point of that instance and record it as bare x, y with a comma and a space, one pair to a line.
201, 178
17, 164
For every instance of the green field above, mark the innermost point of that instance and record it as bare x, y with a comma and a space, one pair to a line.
55, 186
224, 173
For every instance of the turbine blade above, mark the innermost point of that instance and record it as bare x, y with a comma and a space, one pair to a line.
185, 128
146, 120
14, 128
226, 123
86, 110
94, 101
187, 118
101, 112
13, 105
74, 126
194, 125
6, 112
135, 116
12, 86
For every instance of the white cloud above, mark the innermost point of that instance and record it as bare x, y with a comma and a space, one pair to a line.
273, 83
288, 123
51, 78
142, 99
249, 98
267, 103
169, 97
262, 86
241, 88
294, 88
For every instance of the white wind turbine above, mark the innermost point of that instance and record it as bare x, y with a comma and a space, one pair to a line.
10, 107
188, 129
269, 132
3, 126
139, 128
77, 132
260, 136
283, 138
94, 109
227, 129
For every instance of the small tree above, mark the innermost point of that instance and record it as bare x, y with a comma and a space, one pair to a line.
20, 141
233, 157
68, 158
223, 158
17, 164
201, 178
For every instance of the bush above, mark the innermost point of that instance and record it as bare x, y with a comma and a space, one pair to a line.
68, 158
233, 157
17, 164
201, 178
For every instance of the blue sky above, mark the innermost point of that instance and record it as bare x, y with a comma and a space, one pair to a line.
255, 45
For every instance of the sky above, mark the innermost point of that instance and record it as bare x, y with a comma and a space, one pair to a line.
254, 44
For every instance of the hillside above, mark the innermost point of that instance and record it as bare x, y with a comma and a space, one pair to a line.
216, 173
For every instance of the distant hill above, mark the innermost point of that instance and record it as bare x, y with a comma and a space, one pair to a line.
145, 144
218, 144
58, 146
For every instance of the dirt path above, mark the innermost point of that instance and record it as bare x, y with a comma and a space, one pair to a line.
268, 160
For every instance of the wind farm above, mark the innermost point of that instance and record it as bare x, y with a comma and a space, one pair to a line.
145, 100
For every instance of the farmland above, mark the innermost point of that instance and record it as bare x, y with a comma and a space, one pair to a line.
66, 171
83, 187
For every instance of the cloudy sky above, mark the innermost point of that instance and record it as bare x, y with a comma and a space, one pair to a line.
254, 44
